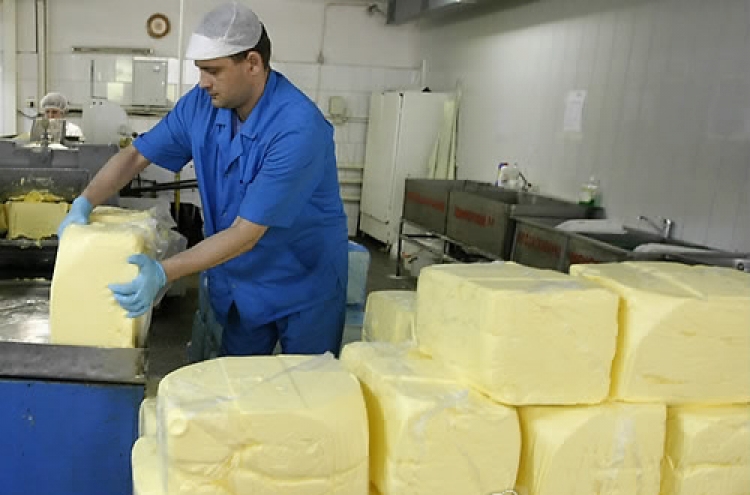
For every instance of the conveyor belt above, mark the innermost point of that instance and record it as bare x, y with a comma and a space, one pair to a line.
25, 351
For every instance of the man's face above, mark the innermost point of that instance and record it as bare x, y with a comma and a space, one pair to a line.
226, 81
53, 113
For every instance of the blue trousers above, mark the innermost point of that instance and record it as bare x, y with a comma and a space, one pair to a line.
316, 330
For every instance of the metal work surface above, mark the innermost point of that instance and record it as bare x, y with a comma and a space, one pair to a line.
24, 258
25, 351
64, 182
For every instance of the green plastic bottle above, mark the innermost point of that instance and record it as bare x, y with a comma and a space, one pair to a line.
590, 194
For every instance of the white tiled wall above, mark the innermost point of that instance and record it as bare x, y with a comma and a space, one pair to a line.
666, 122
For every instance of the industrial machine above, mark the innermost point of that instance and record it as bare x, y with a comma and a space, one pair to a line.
68, 414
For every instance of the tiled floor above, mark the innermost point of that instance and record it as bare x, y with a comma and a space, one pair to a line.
172, 321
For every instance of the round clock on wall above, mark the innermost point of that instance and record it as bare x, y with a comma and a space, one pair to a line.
157, 26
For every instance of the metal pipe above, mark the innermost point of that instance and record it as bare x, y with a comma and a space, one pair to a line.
40, 11
165, 186
9, 124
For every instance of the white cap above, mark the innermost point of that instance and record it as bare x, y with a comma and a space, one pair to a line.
228, 29
54, 100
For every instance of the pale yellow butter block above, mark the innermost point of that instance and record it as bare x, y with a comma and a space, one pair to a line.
684, 332
147, 418
145, 466
115, 214
523, 336
83, 310
606, 449
281, 425
707, 451
389, 316
430, 434
147, 476
34, 220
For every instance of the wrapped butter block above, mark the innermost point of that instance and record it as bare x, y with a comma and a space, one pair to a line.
607, 449
430, 434
34, 220
522, 336
114, 214
83, 310
147, 418
281, 425
389, 316
146, 474
684, 332
707, 451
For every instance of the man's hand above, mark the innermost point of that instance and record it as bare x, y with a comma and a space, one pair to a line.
137, 296
79, 213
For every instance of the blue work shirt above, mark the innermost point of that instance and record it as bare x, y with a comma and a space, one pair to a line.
278, 171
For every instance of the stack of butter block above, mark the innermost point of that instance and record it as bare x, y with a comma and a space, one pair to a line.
90, 257
281, 425
626, 378
389, 316
429, 432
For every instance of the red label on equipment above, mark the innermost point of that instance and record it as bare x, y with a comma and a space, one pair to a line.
537, 244
422, 200
473, 217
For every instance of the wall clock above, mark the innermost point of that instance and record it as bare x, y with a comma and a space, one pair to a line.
157, 26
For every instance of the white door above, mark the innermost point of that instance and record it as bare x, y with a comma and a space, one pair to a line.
380, 152
421, 120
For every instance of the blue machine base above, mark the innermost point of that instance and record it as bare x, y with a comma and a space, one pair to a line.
67, 438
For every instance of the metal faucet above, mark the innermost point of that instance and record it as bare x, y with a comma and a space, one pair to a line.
667, 225
526, 184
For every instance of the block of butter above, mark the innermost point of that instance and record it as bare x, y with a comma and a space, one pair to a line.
281, 425
606, 449
707, 451
521, 335
32, 220
389, 316
114, 214
430, 434
82, 308
145, 465
684, 331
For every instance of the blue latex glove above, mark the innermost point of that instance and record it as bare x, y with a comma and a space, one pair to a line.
79, 213
137, 296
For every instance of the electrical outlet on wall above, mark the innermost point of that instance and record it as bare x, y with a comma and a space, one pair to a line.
30, 102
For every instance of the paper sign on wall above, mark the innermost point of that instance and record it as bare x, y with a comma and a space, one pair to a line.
574, 110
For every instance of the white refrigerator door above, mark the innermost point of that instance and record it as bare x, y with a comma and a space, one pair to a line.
380, 153
420, 123
402, 132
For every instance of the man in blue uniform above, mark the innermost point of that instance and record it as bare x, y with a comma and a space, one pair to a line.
276, 239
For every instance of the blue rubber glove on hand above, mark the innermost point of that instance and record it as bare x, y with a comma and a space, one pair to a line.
137, 296
79, 213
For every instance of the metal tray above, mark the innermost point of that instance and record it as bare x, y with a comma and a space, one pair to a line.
25, 351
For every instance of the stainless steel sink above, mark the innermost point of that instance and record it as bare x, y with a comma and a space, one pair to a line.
633, 238
539, 244
483, 218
